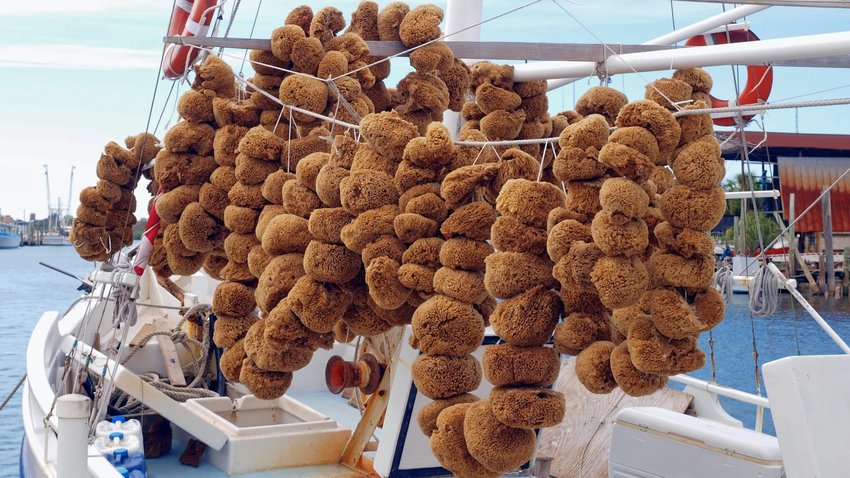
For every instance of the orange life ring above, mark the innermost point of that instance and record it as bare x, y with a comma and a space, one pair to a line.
190, 18
759, 77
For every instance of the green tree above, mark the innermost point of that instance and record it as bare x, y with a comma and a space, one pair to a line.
769, 231
741, 182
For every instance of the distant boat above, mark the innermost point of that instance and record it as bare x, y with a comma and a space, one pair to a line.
55, 239
9, 238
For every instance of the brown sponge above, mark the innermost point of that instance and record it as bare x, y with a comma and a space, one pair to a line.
326, 224
384, 286
427, 416
473, 221
583, 199
230, 329
511, 235
231, 361
671, 270
506, 365
246, 195
579, 330
443, 376
657, 119
699, 164
233, 299
318, 305
241, 220
619, 280
369, 226
364, 190
465, 286
710, 308
631, 380
425, 251
273, 186
623, 197
417, 277
465, 254
527, 319
683, 242
410, 227
529, 201
199, 231
264, 385
237, 246
387, 133
430, 205
269, 212
383, 246
511, 273
171, 204
615, 235
593, 367
527, 407
299, 199
286, 233
308, 168
277, 279
652, 352
214, 200
562, 236
445, 326
498, 447
601, 100
449, 445
327, 184
252, 170
672, 315
258, 259
327, 262
282, 325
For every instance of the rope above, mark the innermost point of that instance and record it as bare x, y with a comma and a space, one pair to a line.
14, 391
764, 107
124, 402
723, 282
230, 23
764, 293
250, 35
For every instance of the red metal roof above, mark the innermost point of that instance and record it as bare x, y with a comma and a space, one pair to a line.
806, 177
802, 140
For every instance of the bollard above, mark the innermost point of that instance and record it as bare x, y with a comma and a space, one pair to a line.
72, 412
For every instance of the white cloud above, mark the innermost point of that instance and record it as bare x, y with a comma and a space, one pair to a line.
76, 57
55, 7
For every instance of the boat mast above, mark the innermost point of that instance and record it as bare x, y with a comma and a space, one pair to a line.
70, 194
49, 211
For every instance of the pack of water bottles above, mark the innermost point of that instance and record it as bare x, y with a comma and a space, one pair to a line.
120, 442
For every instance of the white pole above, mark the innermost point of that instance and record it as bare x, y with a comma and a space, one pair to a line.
749, 53
72, 412
681, 34
459, 15
811, 310
721, 390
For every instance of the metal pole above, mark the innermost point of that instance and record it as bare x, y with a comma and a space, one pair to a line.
684, 33
757, 52
792, 239
72, 412
828, 251
459, 15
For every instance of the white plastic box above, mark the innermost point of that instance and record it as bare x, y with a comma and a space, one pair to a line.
269, 434
650, 442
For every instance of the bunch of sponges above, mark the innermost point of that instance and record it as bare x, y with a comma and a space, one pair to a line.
105, 217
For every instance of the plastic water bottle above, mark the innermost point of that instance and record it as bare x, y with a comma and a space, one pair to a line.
132, 462
119, 424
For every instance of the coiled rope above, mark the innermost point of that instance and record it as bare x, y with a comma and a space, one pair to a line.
723, 282
764, 293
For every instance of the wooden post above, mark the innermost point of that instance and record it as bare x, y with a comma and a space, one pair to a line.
792, 236
821, 275
829, 252
845, 266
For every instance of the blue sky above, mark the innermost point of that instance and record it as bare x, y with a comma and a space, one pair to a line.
80, 74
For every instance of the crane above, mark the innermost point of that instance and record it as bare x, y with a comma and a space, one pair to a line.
47, 180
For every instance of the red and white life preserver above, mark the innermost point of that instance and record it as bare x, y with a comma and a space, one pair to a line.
759, 77
191, 18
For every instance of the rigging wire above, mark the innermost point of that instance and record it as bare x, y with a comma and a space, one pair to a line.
250, 35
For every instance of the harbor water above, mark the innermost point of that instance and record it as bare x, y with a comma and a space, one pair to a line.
28, 289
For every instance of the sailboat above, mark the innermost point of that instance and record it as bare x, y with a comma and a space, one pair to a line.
57, 231
142, 346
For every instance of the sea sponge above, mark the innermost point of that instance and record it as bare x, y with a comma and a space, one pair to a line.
237, 272
420, 25
241, 220
429, 205
652, 352
506, 365
409, 175
443, 376
561, 237
187, 137
384, 246
465, 286
445, 326
427, 416
144, 147
301, 16
304, 92
535, 107
277, 279
433, 150
228, 330
527, 319
433, 56
631, 380
389, 20
593, 367
672, 315
258, 260
498, 75
237, 246
465, 254
579, 330
214, 200
583, 199
697, 78
199, 231
575, 164
367, 158
491, 98
327, 184
529, 201
672, 270
473, 221
223, 177
327, 262
417, 277
449, 445
425, 251
709, 307
623, 197
282, 325
242, 113
233, 299
216, 75
333, 64
269, 212
364, 320
461, 184
502, 125
387, 133
247, 195
601, 100
683, 242
496, 446
286, 233
384, 286
619, 280
307, 169
260, 143
527, 407
263, 384
589, 132
299, 199
91, 216
318, 305
231, 361
699, 164
624, 317
637, 138
369, 226
657, 119
214, 263
695, 126
626, 161
252, 171
280, 356
365, 190
614, 237
185, 265
511, 235
511, 273
669, 92
196, 106
326, 224
171, 204
111, 170
410, 227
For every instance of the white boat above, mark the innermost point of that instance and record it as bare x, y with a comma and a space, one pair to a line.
81, 353
55, 239
9, 238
